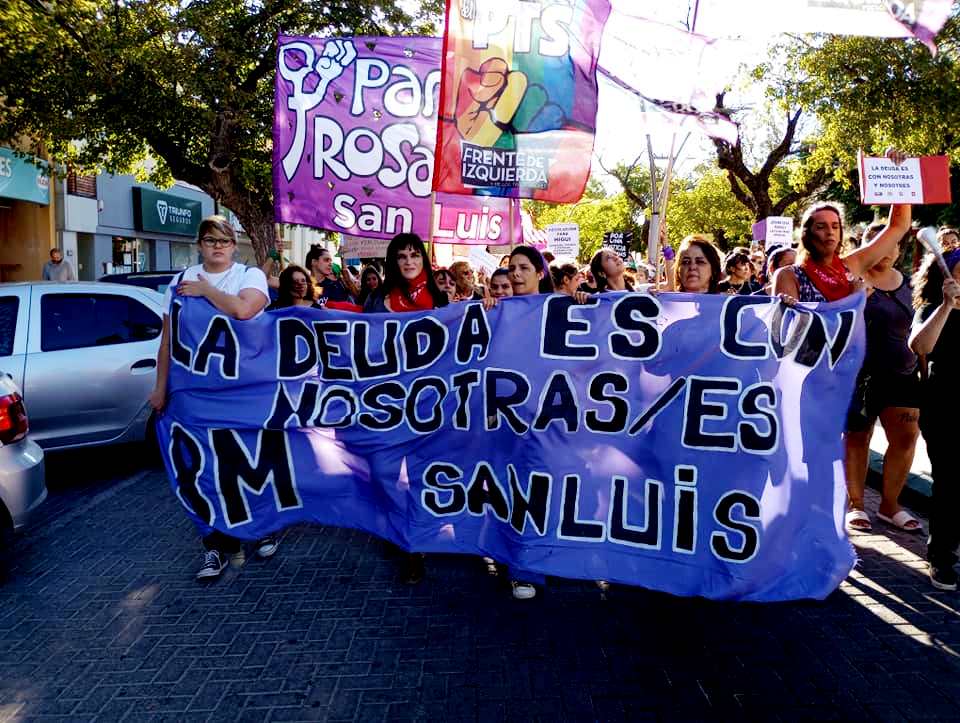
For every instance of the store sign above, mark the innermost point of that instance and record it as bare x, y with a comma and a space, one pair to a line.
20, 179
164, 213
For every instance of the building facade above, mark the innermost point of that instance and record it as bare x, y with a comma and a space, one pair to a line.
27, 217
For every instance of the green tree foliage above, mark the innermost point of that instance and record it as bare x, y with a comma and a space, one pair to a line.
106, 84
706, 205
596, 213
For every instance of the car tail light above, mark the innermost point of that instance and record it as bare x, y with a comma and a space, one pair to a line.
13, 419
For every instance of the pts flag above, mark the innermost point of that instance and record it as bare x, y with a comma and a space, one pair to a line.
518, 99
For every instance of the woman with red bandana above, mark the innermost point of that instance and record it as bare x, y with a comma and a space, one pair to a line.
407, 284
825, 275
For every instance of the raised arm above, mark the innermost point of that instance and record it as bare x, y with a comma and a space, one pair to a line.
885, 244
924, 337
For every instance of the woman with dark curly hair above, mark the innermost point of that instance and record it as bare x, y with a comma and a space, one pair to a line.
936, 337
295, 289
369, 282
697, 269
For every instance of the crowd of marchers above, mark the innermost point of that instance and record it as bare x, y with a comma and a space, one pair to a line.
913, 338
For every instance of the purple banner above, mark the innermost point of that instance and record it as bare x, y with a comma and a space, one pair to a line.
354, 133
479, 220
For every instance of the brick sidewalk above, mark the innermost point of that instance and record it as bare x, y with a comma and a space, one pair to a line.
100, 619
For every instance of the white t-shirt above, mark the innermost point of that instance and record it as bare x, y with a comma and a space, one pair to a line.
232, 281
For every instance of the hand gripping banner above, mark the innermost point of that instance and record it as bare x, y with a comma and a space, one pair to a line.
689, 444
519, 97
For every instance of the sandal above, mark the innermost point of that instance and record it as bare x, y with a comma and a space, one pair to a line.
858, 521
902, 521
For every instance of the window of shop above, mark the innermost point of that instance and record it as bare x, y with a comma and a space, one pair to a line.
182, 255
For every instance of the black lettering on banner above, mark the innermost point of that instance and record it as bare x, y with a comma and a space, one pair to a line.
371, 400
557, 327
720, 542
496, 405
435, 421
237, 473
474, 334
631, 313
798, 320
485, 490
597, 393
698, 409
220, 341
535, 504
327, 350
283, 408
571, 526
433, 486
463, 383
558, 402
365, 367
178, 352
669, 394
751, 438
415, 356
816, 339
332, 395
731, 318
292, 333
622, 532
187, 459
685, 514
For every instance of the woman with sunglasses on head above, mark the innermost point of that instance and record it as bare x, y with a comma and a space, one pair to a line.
239, 292
295, 288
935, 338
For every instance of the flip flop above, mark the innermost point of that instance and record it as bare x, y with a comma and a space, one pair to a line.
861, 517
900, 520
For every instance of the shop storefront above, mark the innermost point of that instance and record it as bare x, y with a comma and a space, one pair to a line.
27, 227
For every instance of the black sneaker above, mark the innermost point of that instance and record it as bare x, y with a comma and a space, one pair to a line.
266, 546
943, 578
213, 564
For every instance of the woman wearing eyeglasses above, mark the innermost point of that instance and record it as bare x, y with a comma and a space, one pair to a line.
240, 292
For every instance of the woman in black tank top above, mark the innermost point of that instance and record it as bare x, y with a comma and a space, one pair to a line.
888, 388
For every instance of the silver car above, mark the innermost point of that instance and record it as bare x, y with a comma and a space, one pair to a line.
22, 482
84, 354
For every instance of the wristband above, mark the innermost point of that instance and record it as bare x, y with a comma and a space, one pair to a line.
668, 253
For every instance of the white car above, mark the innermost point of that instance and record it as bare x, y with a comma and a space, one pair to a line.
22, 483
84, 355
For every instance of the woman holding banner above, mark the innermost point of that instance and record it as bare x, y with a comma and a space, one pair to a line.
408, 285
823, 274
936, 336
697, 269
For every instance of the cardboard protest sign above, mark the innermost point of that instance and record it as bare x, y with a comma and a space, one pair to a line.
563, 239
358, 247
923, 180
774, 231
619, 241
519, 97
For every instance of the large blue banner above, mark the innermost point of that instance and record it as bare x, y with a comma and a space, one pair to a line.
690, 444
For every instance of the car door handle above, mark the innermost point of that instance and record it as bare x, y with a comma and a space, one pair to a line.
145, 364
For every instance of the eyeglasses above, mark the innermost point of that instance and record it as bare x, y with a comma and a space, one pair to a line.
212, 242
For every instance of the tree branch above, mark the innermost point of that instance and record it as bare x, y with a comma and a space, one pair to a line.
783, 148
815, 182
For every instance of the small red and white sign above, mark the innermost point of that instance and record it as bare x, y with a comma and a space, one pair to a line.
922, 180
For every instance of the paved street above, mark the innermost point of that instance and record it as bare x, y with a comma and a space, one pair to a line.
100, 619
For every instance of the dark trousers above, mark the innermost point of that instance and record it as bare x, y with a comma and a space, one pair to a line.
945, 503
222, 543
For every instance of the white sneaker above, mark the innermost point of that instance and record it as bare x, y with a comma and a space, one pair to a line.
266, 546
523, 590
